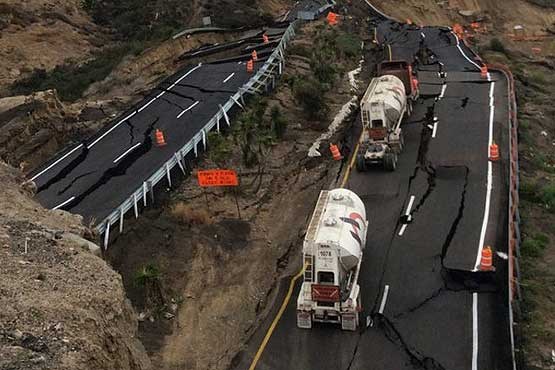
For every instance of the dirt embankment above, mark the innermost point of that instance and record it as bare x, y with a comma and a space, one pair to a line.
62, 306
43, 34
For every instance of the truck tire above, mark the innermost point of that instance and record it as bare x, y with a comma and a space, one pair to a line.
390, 162
361, 163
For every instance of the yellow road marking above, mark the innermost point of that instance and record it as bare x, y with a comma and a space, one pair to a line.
390, 52
351, 162
276, 319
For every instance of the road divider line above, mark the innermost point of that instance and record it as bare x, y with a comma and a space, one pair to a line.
462, 52
63, 204
188, 109
489, 179
143, 107
434, 130
407, 213
276, 319
474, 331
351, 162
229, 77
443, 88
126, 152
58, 161
384, 299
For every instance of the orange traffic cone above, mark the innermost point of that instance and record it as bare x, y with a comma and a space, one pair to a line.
160, 141
336, 154
250, 66
486, 263
265, 39
484, 71
493, 152
332, 18
254, 55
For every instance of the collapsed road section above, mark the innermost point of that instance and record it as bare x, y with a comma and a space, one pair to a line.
429, 297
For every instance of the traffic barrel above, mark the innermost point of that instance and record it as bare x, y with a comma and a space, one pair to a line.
254, 55
493, 152
160, 141
486, 263
250, 66
336, 154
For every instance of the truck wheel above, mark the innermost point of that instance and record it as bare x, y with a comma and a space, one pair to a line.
361, 163
390, 161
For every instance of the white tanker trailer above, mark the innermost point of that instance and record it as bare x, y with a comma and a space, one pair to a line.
332, 254
382, 109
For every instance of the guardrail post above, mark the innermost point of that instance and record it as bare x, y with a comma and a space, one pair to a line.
241, 92
204, 139
218, 124
106, 235
178, 159
121, 214
151, 189
225, 116
195, 146
135, 207
144, 193
168, 175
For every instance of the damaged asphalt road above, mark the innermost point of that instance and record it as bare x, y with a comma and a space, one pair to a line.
97, 175
439, 314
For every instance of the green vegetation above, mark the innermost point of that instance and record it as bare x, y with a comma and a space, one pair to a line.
220, 148
147, 275
72, 79
278, 122
309, 93
535, 245
496, 45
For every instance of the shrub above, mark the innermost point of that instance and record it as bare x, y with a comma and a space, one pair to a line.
348, 45
279, 124
309, 93
146, 275
189, 216
534, 246
220, 148
529, 191
548, 197
496, 45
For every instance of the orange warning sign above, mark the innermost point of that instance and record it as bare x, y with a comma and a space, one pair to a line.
209, 178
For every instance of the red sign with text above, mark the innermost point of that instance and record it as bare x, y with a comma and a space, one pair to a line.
210, 178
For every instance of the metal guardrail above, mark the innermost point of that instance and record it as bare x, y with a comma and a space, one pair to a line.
514, 294
265, 76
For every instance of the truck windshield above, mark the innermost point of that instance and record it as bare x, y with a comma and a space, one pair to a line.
325, 277
377, 123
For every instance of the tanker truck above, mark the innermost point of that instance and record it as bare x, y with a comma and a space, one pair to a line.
332, 254
388, 98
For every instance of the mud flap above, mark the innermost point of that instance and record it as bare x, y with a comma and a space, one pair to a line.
349, 321
304, 320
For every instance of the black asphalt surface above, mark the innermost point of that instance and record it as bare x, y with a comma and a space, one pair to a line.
439, 313
96, 176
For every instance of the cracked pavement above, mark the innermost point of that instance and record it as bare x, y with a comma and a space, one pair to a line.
439, 312
94, 177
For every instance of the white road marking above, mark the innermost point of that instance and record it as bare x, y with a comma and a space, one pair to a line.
384, 299
443, 88
474, 331
434, 130
229, 77
422, 34
489, 179
64, 203
143, 107
407, 213
188, 109
126, 152
462, 52
58, 161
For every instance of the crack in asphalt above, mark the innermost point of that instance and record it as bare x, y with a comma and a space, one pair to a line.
131, 128
421, 304
66, 170
74, 181
175, 93
204, 90
120, 169
417, 359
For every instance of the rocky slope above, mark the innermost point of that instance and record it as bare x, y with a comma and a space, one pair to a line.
62, 306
